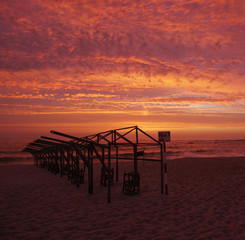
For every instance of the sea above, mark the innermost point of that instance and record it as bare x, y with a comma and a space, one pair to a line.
11, 150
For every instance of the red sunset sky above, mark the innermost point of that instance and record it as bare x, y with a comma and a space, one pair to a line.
86, 66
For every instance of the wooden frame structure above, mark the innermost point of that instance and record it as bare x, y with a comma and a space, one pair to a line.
74, 155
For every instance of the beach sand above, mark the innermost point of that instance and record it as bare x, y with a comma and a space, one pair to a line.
206, 201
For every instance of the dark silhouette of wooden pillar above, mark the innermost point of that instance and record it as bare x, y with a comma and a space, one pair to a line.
90, 170
135, 159
161, 169
117, 163
109, 173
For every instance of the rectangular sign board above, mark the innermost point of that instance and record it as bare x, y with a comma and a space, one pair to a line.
164, 136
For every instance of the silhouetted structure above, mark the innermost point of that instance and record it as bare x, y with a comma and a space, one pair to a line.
76, 155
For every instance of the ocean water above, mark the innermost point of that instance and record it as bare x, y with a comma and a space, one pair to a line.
206, 148
11, 150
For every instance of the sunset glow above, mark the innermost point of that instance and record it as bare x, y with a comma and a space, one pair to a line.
88, 66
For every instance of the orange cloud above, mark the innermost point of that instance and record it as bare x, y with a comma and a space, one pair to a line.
124, 58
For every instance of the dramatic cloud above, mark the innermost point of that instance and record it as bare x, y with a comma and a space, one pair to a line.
152, 63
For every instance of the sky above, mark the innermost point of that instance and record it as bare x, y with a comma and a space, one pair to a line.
82, 67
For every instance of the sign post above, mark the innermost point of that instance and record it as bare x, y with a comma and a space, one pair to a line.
164, 137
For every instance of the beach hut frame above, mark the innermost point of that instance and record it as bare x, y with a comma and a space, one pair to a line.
63, 156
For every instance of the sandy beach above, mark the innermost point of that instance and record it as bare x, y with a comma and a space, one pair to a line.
206, 201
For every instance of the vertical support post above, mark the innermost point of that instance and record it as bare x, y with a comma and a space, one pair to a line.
61, 161
48, 159
84, 153
92, 171
135, 159
44, 159
103, 155
72, 165
53, 160
114, 136
77, 170
89, 170
41, 159
109, 173
47, 156
165, 169
57, 160
137, 135
161, 169
68, 162
117, 163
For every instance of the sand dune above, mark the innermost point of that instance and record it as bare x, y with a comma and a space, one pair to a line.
206, 201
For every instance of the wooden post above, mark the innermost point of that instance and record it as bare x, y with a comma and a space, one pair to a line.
135, 159
161, 170
117, 163
165, 169
77, 170
41, 159
164, 136
84, 153
68, 162
92, 171
89, 171
53, 160
72, 165
57, 160
137, 135
61, 161
109, 173
103, 155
